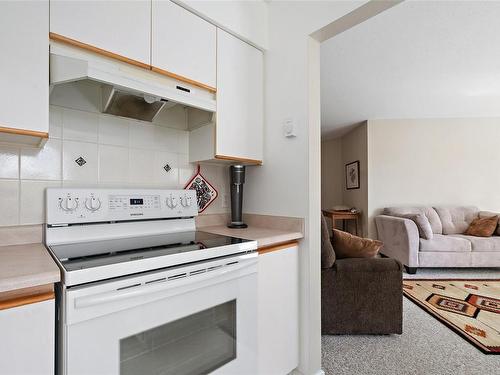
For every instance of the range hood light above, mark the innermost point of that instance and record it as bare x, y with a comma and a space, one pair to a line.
150, 99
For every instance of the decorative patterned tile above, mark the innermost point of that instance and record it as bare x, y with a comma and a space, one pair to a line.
9, 162
9, 202
33, 201
80, 161
42, 163
170, 179
113, 164
80, 126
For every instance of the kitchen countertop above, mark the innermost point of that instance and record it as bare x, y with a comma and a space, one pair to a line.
26, 266
264, 236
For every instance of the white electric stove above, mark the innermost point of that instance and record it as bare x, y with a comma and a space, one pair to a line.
142, 291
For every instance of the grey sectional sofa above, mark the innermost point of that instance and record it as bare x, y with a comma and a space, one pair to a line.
448, 247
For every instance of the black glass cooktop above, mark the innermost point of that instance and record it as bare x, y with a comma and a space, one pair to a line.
85, 255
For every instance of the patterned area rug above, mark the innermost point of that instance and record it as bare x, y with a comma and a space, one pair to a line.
469, 307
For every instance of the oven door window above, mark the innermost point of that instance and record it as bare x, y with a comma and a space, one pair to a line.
197, 344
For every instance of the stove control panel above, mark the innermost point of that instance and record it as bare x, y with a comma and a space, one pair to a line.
73, 205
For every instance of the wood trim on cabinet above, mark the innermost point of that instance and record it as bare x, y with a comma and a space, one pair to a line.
31, 133
26, 300
112, 55
183, 79
285, 245
238, 159
97, 50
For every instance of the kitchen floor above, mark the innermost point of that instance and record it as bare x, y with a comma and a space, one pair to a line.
426, 347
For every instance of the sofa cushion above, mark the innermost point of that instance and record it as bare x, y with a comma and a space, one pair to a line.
456, 219
482, 226
347, 245
423, 225
489, 214
481, 243
429, 212
327, 252
441, 242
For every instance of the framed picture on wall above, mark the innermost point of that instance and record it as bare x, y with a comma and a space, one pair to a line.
352, 175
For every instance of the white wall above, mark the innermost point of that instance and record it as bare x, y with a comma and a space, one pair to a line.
433, 162
282, 185
354, 147
332, 170
335, 154
246, 19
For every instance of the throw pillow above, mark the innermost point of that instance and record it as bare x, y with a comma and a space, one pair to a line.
423, 225
490, 214
327, 252
349, 246
482, 227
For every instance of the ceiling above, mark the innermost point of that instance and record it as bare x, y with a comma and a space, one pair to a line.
419, 59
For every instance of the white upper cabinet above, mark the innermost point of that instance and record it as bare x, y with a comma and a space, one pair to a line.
120, 27
239, 129
24, 67
183, 43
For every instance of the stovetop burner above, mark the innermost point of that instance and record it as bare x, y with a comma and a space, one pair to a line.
78, 256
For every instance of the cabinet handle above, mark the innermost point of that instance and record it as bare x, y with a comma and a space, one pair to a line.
182, 89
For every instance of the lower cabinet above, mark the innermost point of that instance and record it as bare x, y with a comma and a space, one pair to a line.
27, 339
278, 309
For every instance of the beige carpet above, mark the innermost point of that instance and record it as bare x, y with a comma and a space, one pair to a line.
469, 307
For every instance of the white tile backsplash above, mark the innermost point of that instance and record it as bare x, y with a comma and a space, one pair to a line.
72, 171
80, 125
118, 152
55, 122
113, 131
9, 162
142, 135
141, 166
42, 163
168, 179
32, 210
167, 139
113, 164
9, 201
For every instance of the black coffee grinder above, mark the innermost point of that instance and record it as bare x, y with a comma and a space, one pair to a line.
237, 180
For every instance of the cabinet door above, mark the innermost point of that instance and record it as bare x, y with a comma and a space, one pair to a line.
24, 66
183, 43
239, 99
120, 27
28, 335
278, 311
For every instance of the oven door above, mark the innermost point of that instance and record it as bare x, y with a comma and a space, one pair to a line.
197, 319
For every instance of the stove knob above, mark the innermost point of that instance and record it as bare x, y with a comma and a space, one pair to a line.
93, 204
171, 202
68, 204
186, 201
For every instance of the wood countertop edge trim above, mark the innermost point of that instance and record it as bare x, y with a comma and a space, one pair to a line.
276, 247
31, 133
238, 159
99, 51
26, 300
183, 79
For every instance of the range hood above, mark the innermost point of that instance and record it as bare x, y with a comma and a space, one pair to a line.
129, 91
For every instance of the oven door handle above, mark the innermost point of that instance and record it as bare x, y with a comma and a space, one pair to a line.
147, 289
